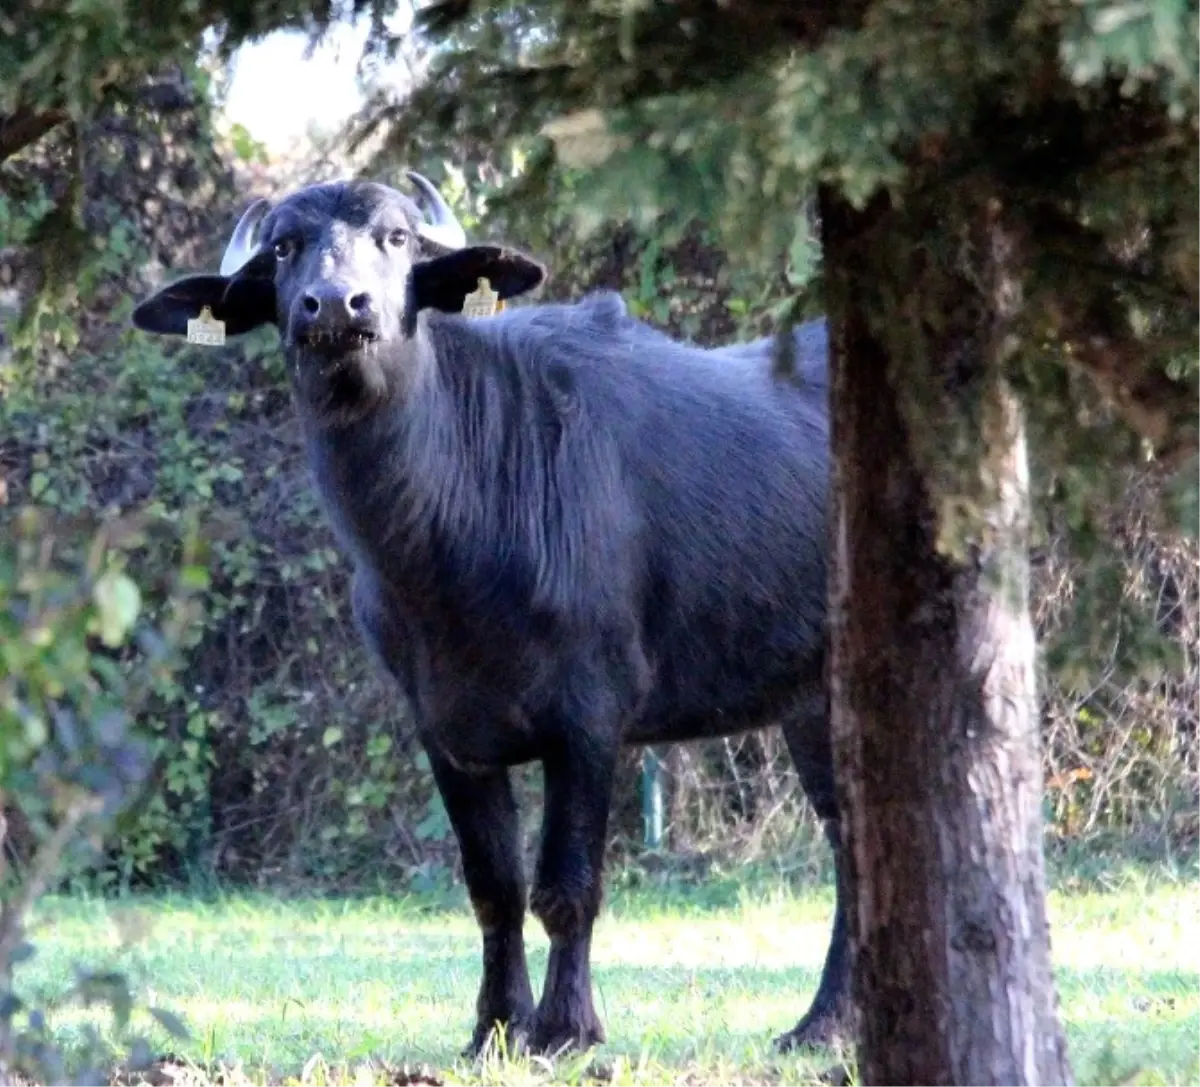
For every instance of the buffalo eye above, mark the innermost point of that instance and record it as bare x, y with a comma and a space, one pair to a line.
284, 248
398, 237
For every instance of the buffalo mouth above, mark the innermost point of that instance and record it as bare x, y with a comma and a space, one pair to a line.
339, 376
337, 342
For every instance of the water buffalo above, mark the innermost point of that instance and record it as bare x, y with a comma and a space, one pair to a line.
569, 532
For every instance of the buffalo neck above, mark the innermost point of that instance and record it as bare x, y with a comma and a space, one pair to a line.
432, 459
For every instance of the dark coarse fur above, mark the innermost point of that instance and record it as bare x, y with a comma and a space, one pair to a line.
559, 475
571, 532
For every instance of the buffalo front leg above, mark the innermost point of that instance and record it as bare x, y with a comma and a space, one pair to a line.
568, 889
484, 815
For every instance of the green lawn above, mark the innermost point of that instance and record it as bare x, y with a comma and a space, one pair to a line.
691, 984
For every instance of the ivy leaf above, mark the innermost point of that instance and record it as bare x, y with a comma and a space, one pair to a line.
118, 602
194, 577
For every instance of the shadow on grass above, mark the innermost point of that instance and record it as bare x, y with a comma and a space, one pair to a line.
634, 894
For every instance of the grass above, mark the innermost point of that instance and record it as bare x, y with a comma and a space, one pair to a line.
691, 983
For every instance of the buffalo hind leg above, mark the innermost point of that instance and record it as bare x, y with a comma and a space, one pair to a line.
828, 1019
484, 815
568, 888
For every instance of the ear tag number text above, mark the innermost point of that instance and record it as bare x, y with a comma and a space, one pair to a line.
482, 302
206, 329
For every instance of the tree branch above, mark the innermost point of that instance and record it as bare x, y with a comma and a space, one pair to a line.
1080, 299
1128, 375
18, 130
653, 50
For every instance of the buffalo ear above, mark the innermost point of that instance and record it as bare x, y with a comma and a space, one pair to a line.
242, 303
443, 283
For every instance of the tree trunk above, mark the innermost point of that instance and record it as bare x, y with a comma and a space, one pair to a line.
935, 717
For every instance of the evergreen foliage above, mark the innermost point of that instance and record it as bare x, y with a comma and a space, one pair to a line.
1076, 123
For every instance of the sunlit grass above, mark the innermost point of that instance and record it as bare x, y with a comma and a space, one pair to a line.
691, 985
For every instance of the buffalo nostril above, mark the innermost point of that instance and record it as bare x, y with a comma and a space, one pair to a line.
312, 305
359, 302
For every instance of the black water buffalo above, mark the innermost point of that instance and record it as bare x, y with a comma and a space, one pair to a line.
569, 532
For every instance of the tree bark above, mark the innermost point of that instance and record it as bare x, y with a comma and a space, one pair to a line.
935, 718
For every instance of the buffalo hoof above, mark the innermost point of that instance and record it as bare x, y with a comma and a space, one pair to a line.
552, 1037
816, 1030
491, 1039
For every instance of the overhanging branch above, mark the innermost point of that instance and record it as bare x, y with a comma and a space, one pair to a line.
1128, 373
1083, 309
18, 130
640, 52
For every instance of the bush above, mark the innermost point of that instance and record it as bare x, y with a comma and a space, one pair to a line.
78, 659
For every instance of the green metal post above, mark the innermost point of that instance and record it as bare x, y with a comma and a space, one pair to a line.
652, 799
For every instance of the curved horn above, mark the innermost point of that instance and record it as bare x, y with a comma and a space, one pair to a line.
244, 242
441, 227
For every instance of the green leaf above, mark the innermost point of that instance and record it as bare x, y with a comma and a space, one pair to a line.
194, 577
332, 735
118, 602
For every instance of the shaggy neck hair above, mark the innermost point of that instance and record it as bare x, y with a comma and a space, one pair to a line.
476, 450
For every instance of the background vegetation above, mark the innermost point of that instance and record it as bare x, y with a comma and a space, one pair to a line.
278, 757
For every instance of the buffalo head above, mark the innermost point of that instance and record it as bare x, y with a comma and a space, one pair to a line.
342, 270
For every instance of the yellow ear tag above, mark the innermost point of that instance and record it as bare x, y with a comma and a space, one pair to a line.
482, 302
206, 329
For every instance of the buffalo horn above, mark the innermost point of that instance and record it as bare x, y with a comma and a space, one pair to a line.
244, 242
440, 227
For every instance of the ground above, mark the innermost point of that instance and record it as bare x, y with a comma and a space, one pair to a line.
691, 982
